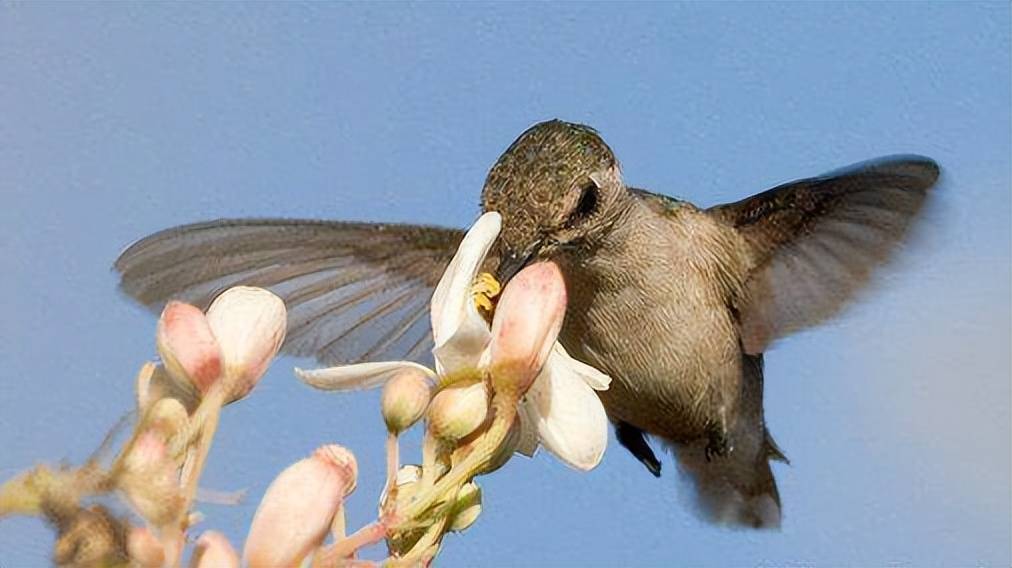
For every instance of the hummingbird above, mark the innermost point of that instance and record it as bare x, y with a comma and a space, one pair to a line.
677, 303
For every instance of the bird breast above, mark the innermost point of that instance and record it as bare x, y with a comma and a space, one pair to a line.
645, 308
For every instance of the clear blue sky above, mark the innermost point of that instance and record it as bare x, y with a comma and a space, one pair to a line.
117, 120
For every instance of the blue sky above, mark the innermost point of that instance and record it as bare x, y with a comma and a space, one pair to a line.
117, 120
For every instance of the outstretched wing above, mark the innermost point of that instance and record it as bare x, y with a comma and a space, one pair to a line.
814, 242
354, 291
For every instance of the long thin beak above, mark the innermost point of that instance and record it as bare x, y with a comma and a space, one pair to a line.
513, 262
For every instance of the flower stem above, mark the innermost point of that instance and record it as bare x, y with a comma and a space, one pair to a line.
206, 420
505, 413
434, 460
432, 537
365, 536
206, 416
393, 464
339, 524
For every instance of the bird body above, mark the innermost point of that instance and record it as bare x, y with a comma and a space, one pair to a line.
676, 303
646, 309
650, 307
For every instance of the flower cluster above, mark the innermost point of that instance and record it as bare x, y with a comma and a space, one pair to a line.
557, 404
501, 385
496, 389
208, 361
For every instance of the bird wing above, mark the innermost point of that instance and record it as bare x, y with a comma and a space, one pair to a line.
354, 291
814, 242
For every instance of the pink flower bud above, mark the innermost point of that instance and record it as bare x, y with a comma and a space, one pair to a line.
144, 549
296, 512
214, 551
458, 411
526, 324
405, 398
148, 452
149, 478
188, 347
168, 416
249, 324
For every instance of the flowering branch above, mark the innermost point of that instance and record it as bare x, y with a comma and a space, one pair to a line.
501, 385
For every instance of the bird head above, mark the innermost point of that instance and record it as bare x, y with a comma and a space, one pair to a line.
557, 187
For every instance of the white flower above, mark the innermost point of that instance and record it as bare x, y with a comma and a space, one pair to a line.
560, 410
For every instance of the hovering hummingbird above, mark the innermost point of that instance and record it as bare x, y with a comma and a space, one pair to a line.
676, 303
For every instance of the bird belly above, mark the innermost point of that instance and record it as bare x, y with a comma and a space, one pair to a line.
674, 358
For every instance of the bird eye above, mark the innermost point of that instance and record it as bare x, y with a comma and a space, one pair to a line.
587, 204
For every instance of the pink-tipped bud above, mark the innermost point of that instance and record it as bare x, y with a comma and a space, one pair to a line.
149, 478
405, 398
148, 453
168, 416
214, 551
144, 549
296, 512
188, 347
467, 507
526, 324
249, 324
458, 411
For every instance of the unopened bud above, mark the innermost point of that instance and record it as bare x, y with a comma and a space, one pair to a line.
457, 411
148, 451
155, 383
144, 549
467, 507
188, 347
526, 324
249, 324
168, 416
149, 478
214, 551
296, 512
405, 398
91, 537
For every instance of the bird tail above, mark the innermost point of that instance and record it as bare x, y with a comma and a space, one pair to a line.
738, 489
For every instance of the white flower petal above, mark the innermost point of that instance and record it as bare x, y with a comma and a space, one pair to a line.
571, 421
594, 378
459, 332
527, 414
355, 377
453, 293
463, 349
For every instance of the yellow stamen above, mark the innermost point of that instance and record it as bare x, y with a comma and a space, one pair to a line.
483, 290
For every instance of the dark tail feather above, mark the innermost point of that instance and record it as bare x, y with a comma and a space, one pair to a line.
737, 489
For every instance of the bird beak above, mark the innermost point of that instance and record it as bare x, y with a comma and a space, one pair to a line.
512, 262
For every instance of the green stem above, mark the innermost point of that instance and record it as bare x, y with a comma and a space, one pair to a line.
458, 377
432, 536
434, 460
505, 413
